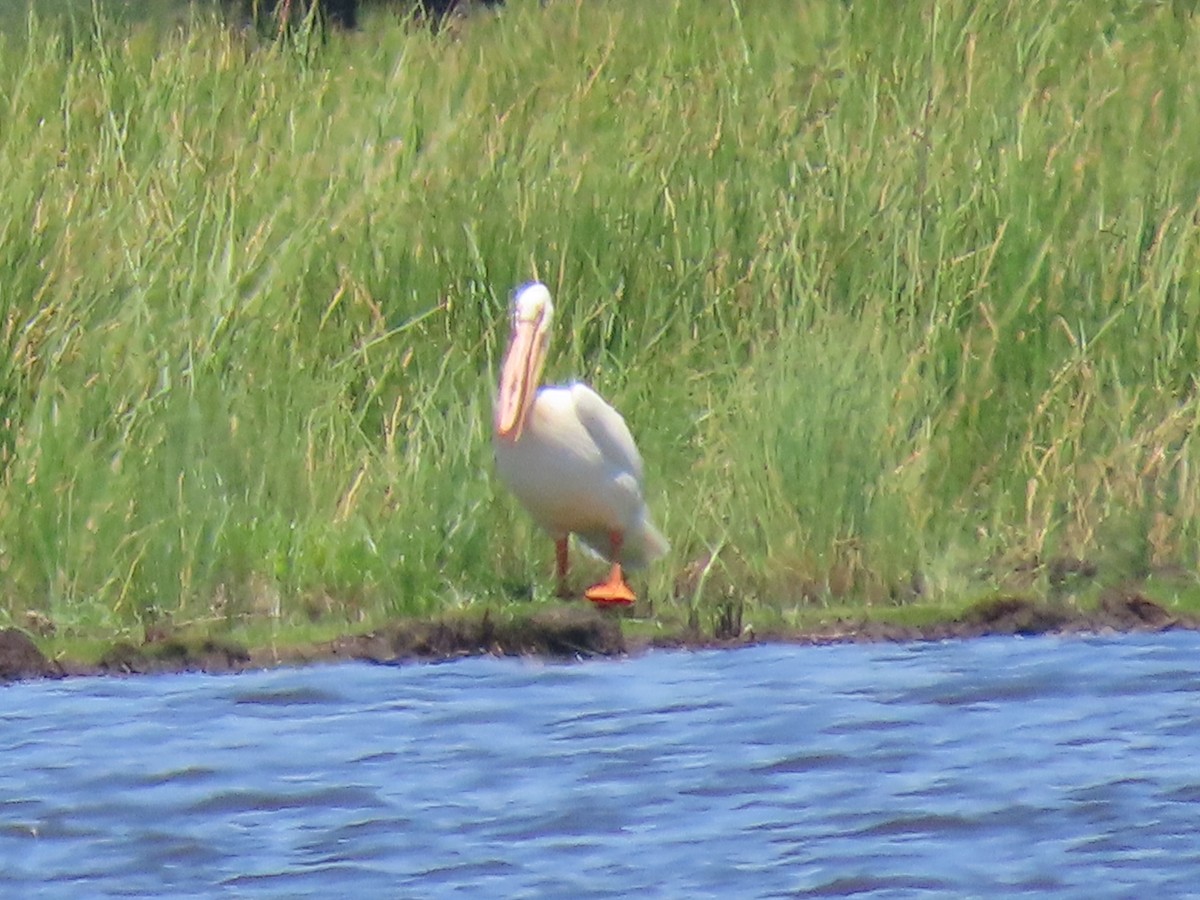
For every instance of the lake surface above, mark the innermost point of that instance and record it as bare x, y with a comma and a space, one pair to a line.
991, 767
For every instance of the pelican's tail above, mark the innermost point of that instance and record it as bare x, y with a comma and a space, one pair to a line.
643, 545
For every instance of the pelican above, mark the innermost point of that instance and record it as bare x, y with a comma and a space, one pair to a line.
569, 458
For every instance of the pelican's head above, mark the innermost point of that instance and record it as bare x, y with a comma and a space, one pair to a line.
522, 368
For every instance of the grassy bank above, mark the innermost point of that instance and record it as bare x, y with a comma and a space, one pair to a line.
901, 303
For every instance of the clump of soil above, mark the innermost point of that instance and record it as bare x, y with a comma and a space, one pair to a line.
1119, 610
1128, 610
567, 632
20, 658
174, 655
1013, 615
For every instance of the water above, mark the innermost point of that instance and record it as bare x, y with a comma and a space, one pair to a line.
989, 767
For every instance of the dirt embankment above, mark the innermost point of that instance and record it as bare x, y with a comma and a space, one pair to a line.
574, 632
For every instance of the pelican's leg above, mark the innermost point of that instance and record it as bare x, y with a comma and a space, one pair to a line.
561, 567
614, 591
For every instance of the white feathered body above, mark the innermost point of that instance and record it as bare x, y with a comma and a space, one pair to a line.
576, 470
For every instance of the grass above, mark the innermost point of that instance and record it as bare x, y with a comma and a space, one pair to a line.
901, 303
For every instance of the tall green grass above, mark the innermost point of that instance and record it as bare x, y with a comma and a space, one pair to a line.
892, 295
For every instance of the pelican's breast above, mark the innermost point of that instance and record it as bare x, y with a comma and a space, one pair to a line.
562, 474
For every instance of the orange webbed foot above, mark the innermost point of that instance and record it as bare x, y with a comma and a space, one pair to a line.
613, 592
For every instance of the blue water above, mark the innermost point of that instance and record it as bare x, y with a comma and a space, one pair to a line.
981, 768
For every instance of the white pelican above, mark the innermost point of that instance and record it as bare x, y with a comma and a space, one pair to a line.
569, 457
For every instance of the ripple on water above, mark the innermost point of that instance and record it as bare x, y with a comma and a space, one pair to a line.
233, 802
301, 695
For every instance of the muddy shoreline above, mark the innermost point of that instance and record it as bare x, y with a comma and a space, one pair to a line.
573, 632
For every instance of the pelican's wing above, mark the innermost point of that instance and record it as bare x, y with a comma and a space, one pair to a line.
607, 428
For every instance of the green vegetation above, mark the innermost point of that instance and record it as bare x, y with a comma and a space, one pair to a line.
902, 301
